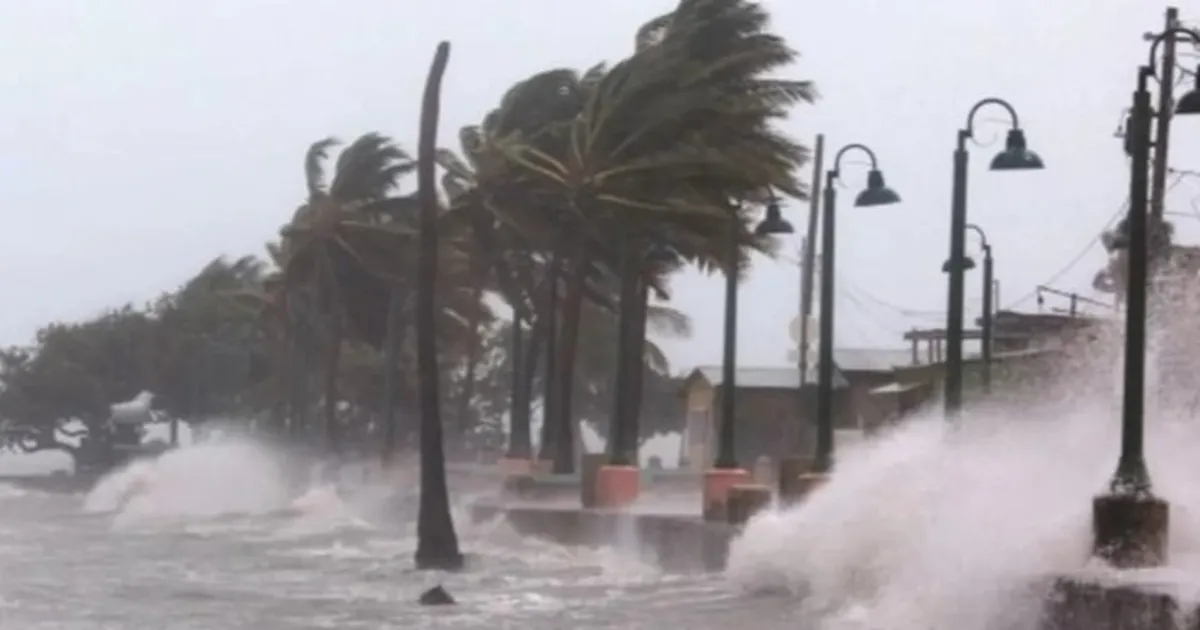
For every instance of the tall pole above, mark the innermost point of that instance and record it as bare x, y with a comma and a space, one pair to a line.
1129, 524
806, 273
988, 323
726, 454
956, 269
823, 459
1162, 130
1132, 475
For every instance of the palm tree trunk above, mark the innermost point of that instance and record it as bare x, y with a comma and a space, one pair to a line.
519, 435
622, 428
397, 328
549, 315
333, 433
474, 352
572, 311
437, 542
637, 370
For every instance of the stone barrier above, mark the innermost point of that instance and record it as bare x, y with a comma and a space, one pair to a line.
746, 500
1091, 603
672, 542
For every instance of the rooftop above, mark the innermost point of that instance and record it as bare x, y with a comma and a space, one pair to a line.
845, 359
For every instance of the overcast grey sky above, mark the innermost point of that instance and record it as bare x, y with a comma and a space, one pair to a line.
142, 138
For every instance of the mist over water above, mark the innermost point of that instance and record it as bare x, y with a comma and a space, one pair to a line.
940, 526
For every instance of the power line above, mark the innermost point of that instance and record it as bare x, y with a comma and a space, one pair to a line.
1074, 260
843, 281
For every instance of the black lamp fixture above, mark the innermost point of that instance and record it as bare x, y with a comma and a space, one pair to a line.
968, 264
876, 193
1190, 103
1016, 156
774, 223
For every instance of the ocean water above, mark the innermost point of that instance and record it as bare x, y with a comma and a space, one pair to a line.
211, 536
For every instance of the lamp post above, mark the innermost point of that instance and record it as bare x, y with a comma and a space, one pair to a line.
1014, 157
1129, 523
987, 323
876, 194
725, 472
985, 337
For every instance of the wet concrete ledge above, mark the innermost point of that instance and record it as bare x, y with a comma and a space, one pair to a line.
1133, 600
676, 543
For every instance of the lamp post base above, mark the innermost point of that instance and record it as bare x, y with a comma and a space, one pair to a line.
746, 500
791, 469
513, 466
616, 486
1130, 530
1078, 603
717, 483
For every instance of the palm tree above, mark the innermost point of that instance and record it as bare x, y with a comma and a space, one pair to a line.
437, 543
666, 142
339, 250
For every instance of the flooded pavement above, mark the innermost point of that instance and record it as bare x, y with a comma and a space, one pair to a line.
154, 558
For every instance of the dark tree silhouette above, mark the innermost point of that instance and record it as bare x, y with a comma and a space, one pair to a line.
437, 543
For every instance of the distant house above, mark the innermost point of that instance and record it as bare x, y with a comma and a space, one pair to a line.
775, 416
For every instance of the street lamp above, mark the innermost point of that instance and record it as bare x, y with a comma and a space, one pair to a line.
876, 194
1014, 157
774, 223
1129, 523
725, 472
985, 337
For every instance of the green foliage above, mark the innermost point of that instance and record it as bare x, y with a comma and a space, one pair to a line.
672, 149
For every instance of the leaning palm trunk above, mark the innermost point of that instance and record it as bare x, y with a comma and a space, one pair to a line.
397, 328
437, 542
623, 425
550, 380
333, 356
519, 446
474, 353
637, 368
568, 342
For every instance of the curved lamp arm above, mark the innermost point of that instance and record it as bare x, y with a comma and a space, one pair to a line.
1171, 32
837, 160
969, 130
982, 237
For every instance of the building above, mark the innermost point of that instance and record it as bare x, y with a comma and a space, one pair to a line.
775, 416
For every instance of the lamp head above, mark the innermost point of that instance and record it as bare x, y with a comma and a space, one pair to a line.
1015, 156
968, 264
774, 223
877, 192
1190, 103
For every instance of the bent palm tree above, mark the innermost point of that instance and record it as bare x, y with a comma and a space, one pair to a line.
437, 542
337, 247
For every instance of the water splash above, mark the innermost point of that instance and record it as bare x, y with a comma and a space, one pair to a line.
12, 492
940, 526
211, 479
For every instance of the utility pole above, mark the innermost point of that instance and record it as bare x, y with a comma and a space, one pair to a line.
1166, 105
807, 265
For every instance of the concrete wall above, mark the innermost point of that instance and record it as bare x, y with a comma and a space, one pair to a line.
674, 543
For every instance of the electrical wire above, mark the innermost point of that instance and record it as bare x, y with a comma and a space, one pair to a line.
1088, 248
1075, 260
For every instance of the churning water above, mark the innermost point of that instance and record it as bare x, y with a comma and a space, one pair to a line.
214, 536
958, 527
928, 527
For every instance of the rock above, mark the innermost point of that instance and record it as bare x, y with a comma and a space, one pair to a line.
436, 596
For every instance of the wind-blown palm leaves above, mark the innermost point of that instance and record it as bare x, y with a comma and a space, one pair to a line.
672, 145
339, 247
